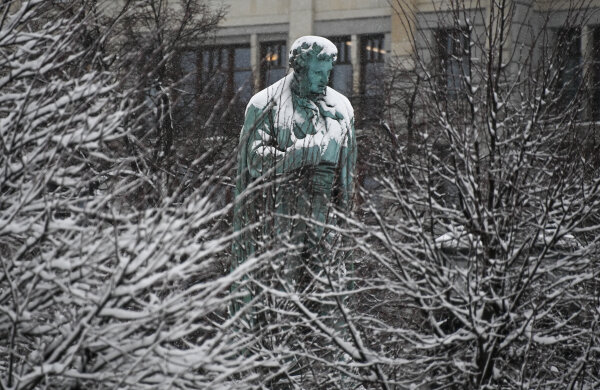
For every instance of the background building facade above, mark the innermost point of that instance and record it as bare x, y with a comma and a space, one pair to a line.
250, 48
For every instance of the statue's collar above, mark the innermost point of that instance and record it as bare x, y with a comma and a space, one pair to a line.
319, 102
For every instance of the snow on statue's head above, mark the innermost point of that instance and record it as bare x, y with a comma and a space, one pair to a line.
312, 59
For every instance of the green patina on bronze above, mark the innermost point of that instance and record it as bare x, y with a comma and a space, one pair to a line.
296, 157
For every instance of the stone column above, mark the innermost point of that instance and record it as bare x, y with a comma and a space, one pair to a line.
301, 19
356, 69
255, 62
401, 54
403, 29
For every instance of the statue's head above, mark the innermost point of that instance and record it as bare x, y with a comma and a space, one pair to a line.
312, 59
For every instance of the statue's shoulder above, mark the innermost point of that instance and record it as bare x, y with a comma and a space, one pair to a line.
340, 102
278, 92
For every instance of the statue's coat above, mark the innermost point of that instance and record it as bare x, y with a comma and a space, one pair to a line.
285, 137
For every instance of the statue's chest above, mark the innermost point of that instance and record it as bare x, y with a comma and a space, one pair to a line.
299, 128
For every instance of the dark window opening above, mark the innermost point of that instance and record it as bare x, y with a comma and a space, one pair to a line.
372, 58
187, 91
372, 61
569, 64
216, 83
273, 62
453, 61
241, 74
595, 79
226, 72
341, 75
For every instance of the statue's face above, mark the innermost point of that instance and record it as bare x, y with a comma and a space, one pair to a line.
318, 74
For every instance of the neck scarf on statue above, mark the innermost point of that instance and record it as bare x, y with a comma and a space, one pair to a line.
308, 106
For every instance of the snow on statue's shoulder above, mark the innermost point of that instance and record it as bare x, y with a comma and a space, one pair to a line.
340, 102
278, 92
328, 47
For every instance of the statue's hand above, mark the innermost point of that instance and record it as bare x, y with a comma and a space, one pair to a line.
311, 148
331, 152
327, 148
298, 155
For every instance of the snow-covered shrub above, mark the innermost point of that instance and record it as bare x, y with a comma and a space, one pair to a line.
486, 258
97, 291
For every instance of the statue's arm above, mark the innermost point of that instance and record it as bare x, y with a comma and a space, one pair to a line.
348, 167
265, 153
262, 152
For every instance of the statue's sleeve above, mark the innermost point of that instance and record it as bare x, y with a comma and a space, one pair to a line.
264, 151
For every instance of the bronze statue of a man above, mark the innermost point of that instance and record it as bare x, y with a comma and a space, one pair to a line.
297, 152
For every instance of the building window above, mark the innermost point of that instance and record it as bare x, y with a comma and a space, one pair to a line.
241, 71
226, 72
341, 75
372, 91
273, 63
215, 69
213, 77
453, 60
569, 64
187, 93
217, 82
372, 58
595, 79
